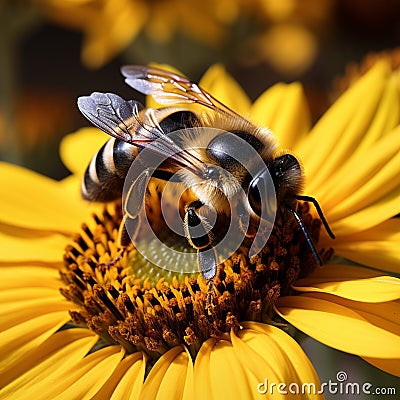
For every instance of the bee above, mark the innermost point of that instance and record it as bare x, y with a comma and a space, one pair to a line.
215, 167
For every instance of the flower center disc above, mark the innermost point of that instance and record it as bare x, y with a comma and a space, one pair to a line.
127, 300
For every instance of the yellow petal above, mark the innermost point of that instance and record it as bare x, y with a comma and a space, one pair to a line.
387, 230
224, 88
379, 180
375, 214
70, 376
77, 149
374, 289
84, 379
378, 146
188, 389
335, 322
283, 109
62, 347
128, 379
18, 305
49, 248
387, 116
300, 364
376, 247
268, 104
180, 367
378, 162
218, 373
29, 276
338, 132
13, 296
383, 255
32, 309
161, 382
391, 366
380, 314
19, 340
201, 371
261, 355
33, 201
71, 186
292, 121
337, 272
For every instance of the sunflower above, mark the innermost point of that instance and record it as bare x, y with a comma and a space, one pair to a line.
75, 325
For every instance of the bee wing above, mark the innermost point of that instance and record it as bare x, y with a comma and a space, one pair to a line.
113, 115
129, 122
170, 88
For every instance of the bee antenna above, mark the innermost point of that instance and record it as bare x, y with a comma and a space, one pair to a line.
310, 199
305, 233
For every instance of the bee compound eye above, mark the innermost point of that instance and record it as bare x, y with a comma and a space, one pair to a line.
254, 195
261, 196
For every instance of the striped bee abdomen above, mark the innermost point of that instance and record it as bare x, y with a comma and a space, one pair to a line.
104, 177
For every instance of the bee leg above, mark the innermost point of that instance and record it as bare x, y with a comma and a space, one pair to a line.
198, 234
133, 203
134, 199
128, 230
305, 233
121, 253
210, 295
130, 223
124, 239
207, 259
132, 206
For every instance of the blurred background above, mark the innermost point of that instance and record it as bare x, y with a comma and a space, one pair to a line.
52, 51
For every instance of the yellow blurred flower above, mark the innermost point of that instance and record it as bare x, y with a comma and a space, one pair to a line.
148, 334
288, 37
110, 26
282, 33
